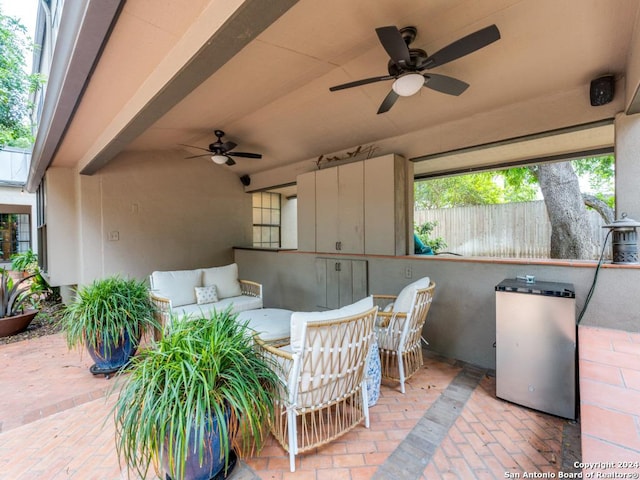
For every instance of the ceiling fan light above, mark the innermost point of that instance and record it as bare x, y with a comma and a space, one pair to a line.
219, 159
408, 84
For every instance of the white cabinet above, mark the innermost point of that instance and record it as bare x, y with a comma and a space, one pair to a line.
356, 208
340, 282
340, 209
386, 215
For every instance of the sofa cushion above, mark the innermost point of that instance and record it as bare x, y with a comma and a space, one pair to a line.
405, 299
178, 285
224, 278
299, 319
207, 294
238, 304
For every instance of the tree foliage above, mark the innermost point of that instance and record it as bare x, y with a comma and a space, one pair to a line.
459, 190
482, 188
15, 84
518, 184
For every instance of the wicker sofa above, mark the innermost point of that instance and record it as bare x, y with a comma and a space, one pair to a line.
199, 291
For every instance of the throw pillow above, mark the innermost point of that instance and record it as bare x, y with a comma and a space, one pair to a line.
206, 294
178, 285
224, 278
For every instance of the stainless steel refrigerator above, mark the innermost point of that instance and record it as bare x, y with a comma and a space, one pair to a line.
536, 345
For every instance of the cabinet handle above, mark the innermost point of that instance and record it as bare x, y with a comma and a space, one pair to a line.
338, 245
338, 266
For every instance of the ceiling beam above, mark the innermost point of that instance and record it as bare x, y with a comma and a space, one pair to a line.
253, 17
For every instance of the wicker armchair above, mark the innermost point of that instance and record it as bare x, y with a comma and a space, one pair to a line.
323, 376
399, 325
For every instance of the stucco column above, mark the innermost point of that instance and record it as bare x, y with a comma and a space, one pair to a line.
627, 150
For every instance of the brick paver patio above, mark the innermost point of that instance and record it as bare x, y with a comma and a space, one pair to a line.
55, 425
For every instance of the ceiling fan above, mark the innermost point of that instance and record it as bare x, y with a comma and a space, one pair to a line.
406, 63
220, 152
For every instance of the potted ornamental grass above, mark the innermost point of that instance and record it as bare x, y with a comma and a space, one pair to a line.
109, 317
17, 303
203, 390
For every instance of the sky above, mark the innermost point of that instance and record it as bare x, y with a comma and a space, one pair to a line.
25, 11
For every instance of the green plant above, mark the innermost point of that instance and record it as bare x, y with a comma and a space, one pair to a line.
14, 295
25, 262
103, 310
424, 232
203, 367
28, 262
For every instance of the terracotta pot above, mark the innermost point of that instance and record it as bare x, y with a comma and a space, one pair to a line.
17, 323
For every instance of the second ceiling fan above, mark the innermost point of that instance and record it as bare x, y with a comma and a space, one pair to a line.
220, 152
406, 64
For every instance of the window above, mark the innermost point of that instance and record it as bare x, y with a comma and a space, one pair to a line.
506, 213
41, 226
15, 234
266, 220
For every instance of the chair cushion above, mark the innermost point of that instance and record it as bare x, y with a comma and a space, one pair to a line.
405, 298
207, 294
178, 285
270, 323
224, 278
299, 319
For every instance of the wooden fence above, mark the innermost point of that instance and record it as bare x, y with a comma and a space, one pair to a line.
515, 230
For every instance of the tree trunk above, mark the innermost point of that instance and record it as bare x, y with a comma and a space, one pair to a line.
570, 231
605, 211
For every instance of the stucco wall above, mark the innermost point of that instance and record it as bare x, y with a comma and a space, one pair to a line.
632, 72
461, 323
150, 211
62, 225
627, 150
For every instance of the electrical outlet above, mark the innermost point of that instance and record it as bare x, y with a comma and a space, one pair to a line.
407, 272
114, 236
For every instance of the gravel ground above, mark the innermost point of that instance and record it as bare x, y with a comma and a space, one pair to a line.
45, 323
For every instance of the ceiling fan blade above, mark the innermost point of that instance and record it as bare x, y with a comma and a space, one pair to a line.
364, 81
193, 146
392, 41
230, 161
198, 156
388, 102
226, 146
445, 84
244, 155
464, 46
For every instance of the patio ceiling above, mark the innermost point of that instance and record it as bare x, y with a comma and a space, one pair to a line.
273, 96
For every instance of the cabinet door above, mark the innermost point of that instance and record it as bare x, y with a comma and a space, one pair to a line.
340, 282
326, 209
351, 207
359, 280
307, 212
328, 276
340, 209
385, 216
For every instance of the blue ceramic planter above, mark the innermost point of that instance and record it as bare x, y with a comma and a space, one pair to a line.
212, 466
112, 358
